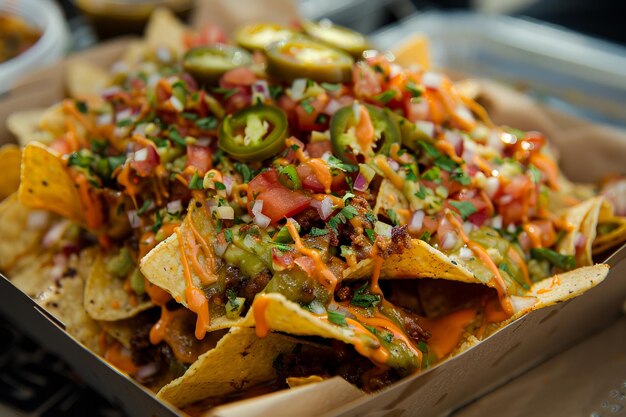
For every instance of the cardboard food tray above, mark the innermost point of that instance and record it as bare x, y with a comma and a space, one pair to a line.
438, 391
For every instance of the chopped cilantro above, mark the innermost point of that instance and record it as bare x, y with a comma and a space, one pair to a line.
80, 159
158, 222
393, 217
306, 105
207, 123
176, 137
342, 217
465, 208
337, 163
81, 106
442, 161
124, 123
505, 267
116, 161
219, 185
362, 297
337, 318
370, 234
189, 116
244, 170
385, 97
387, 337
421, 193
432, 174
425, 236
330, 87
227, 92
421, 345
196, 182
144, 207
413, 89
347, 196
316, 231
228, 235
276, 91
99, 146
411, 172
294, 147
321, 118
461, 176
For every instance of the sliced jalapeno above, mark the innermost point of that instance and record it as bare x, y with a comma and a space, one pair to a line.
304, 58
411, 133
340, 37
208, 63
254, 133
258, 36
343, 138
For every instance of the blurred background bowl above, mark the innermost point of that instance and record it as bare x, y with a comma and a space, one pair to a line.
46, 16
116, 17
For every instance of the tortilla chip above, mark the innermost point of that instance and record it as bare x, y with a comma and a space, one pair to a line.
22, 230
240, 360
65, 302
612, 239
46, 184
106, 298
413, 51
84, 79
164, 29
25, 126
10, 159
584, 218
123, 330
419, 261
390, 198
32, 274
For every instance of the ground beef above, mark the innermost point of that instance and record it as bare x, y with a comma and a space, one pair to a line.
344, 293
143, 352
413, 328
307, 219
255, 285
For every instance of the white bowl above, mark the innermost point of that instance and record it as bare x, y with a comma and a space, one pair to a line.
45, 15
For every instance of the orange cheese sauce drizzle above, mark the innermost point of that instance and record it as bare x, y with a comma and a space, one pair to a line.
196, 299
318, 165
497, 280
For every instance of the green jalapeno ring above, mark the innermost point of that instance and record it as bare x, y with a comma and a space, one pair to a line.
266, 143
337, 36
305, 58
208, 63
257, 36
344, 118
410, 133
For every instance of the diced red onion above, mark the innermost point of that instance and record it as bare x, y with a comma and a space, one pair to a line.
141, 155
425, 126
506, 199
456, 140
163, 54
220, 246
615, 192
146, 371
294, 221
468, 227
432, 80
55, 233
297, 89
153, 80
190, 81
580, 241
228, 183
393, 164
124, 114
174, 206
133, 219
522, 303
511, 228
394, 69
464, 113
37, 220
226, 212
59, 265
177, 104
382, 229
257, 206
109, 92
261, 220
260, 89
332, 106
466, 253
448, 241
491, 186
496, 222
417, 221
104, 119
360, 183
326, 208
494, 141
203, 142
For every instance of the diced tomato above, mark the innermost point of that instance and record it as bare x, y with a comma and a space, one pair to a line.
311, 182
543, 229
145, 167
367, 82
240, 76
199, 157
515, 198
317, 149
308, 117
209, 34
61, 146
278, 201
